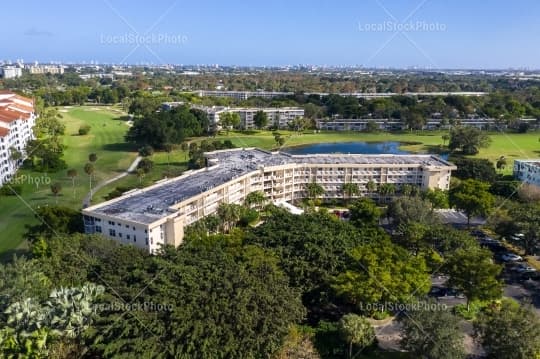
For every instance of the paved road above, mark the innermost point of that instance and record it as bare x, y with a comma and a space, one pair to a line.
88, 198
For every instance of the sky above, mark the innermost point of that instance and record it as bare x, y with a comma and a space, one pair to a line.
495, 34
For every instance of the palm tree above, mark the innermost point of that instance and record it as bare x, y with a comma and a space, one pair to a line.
371, 187
387, 189
140, 174
229, 215
256, 199
349, 190
92, 157
407, 190
15, 155
168, 147
89, 170
185, 148
72, 173
56, 188
314, 190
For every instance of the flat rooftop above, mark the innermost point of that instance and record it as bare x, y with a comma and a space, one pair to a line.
153, 203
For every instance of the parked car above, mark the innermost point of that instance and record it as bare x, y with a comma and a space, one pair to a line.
523, 268
511, 257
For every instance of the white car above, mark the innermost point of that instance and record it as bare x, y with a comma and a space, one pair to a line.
511, 257
525, 268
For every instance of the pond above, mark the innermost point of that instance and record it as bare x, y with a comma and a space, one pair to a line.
387, 147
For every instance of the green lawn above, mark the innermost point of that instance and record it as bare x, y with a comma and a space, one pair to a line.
106, 138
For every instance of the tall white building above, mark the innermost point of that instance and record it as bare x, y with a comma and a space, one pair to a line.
17, 118
157, 215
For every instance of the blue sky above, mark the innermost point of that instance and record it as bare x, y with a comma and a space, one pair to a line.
437, 33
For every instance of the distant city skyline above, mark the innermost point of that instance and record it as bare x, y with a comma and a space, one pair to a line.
424, 34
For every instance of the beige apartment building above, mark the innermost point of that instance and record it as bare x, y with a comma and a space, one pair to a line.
157, 215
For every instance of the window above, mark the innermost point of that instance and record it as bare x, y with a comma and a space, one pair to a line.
120, 235
112, 233
98, 229
128, 236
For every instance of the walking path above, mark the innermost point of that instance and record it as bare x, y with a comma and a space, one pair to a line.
100, 185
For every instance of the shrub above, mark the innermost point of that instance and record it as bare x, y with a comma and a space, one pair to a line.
84, 130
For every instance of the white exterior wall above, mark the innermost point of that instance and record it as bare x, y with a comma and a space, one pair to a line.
279, 183
20, 132
527, 171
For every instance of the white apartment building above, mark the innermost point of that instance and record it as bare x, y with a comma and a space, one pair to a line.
157, 215
242, 95
17, 118
46, 69
279, 117
10, 72
527, 171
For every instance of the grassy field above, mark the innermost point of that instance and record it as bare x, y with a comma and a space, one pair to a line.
106, 138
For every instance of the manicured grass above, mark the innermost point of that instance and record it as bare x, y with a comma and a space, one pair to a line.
106, 138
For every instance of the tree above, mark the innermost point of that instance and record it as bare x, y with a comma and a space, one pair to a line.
56, 188
89, 170
473, 273
475, 168
371, 187
356, 331
229, 119
229, 215
437, 197
146, 165
472, 197
279, 139
84, 130
146, 151
509, 331
15, 155
349, 190
386, 190
168, 147
382, 272
501, 163
445, 138
526, 219
468, 140
260, 119
430, 332
185, 148
72, 173
364, 212
255, 199
140, 175
92, 157
314, 190
54, 220
404, 210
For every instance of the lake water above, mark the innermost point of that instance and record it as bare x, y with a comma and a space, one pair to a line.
388, 147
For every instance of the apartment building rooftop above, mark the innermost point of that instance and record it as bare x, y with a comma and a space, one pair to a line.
155, 202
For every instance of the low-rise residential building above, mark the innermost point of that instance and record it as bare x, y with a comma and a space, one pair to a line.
10, 72
46, 69
17, 118
242, 95
279, 117
527, 171
157, 215
348, 124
